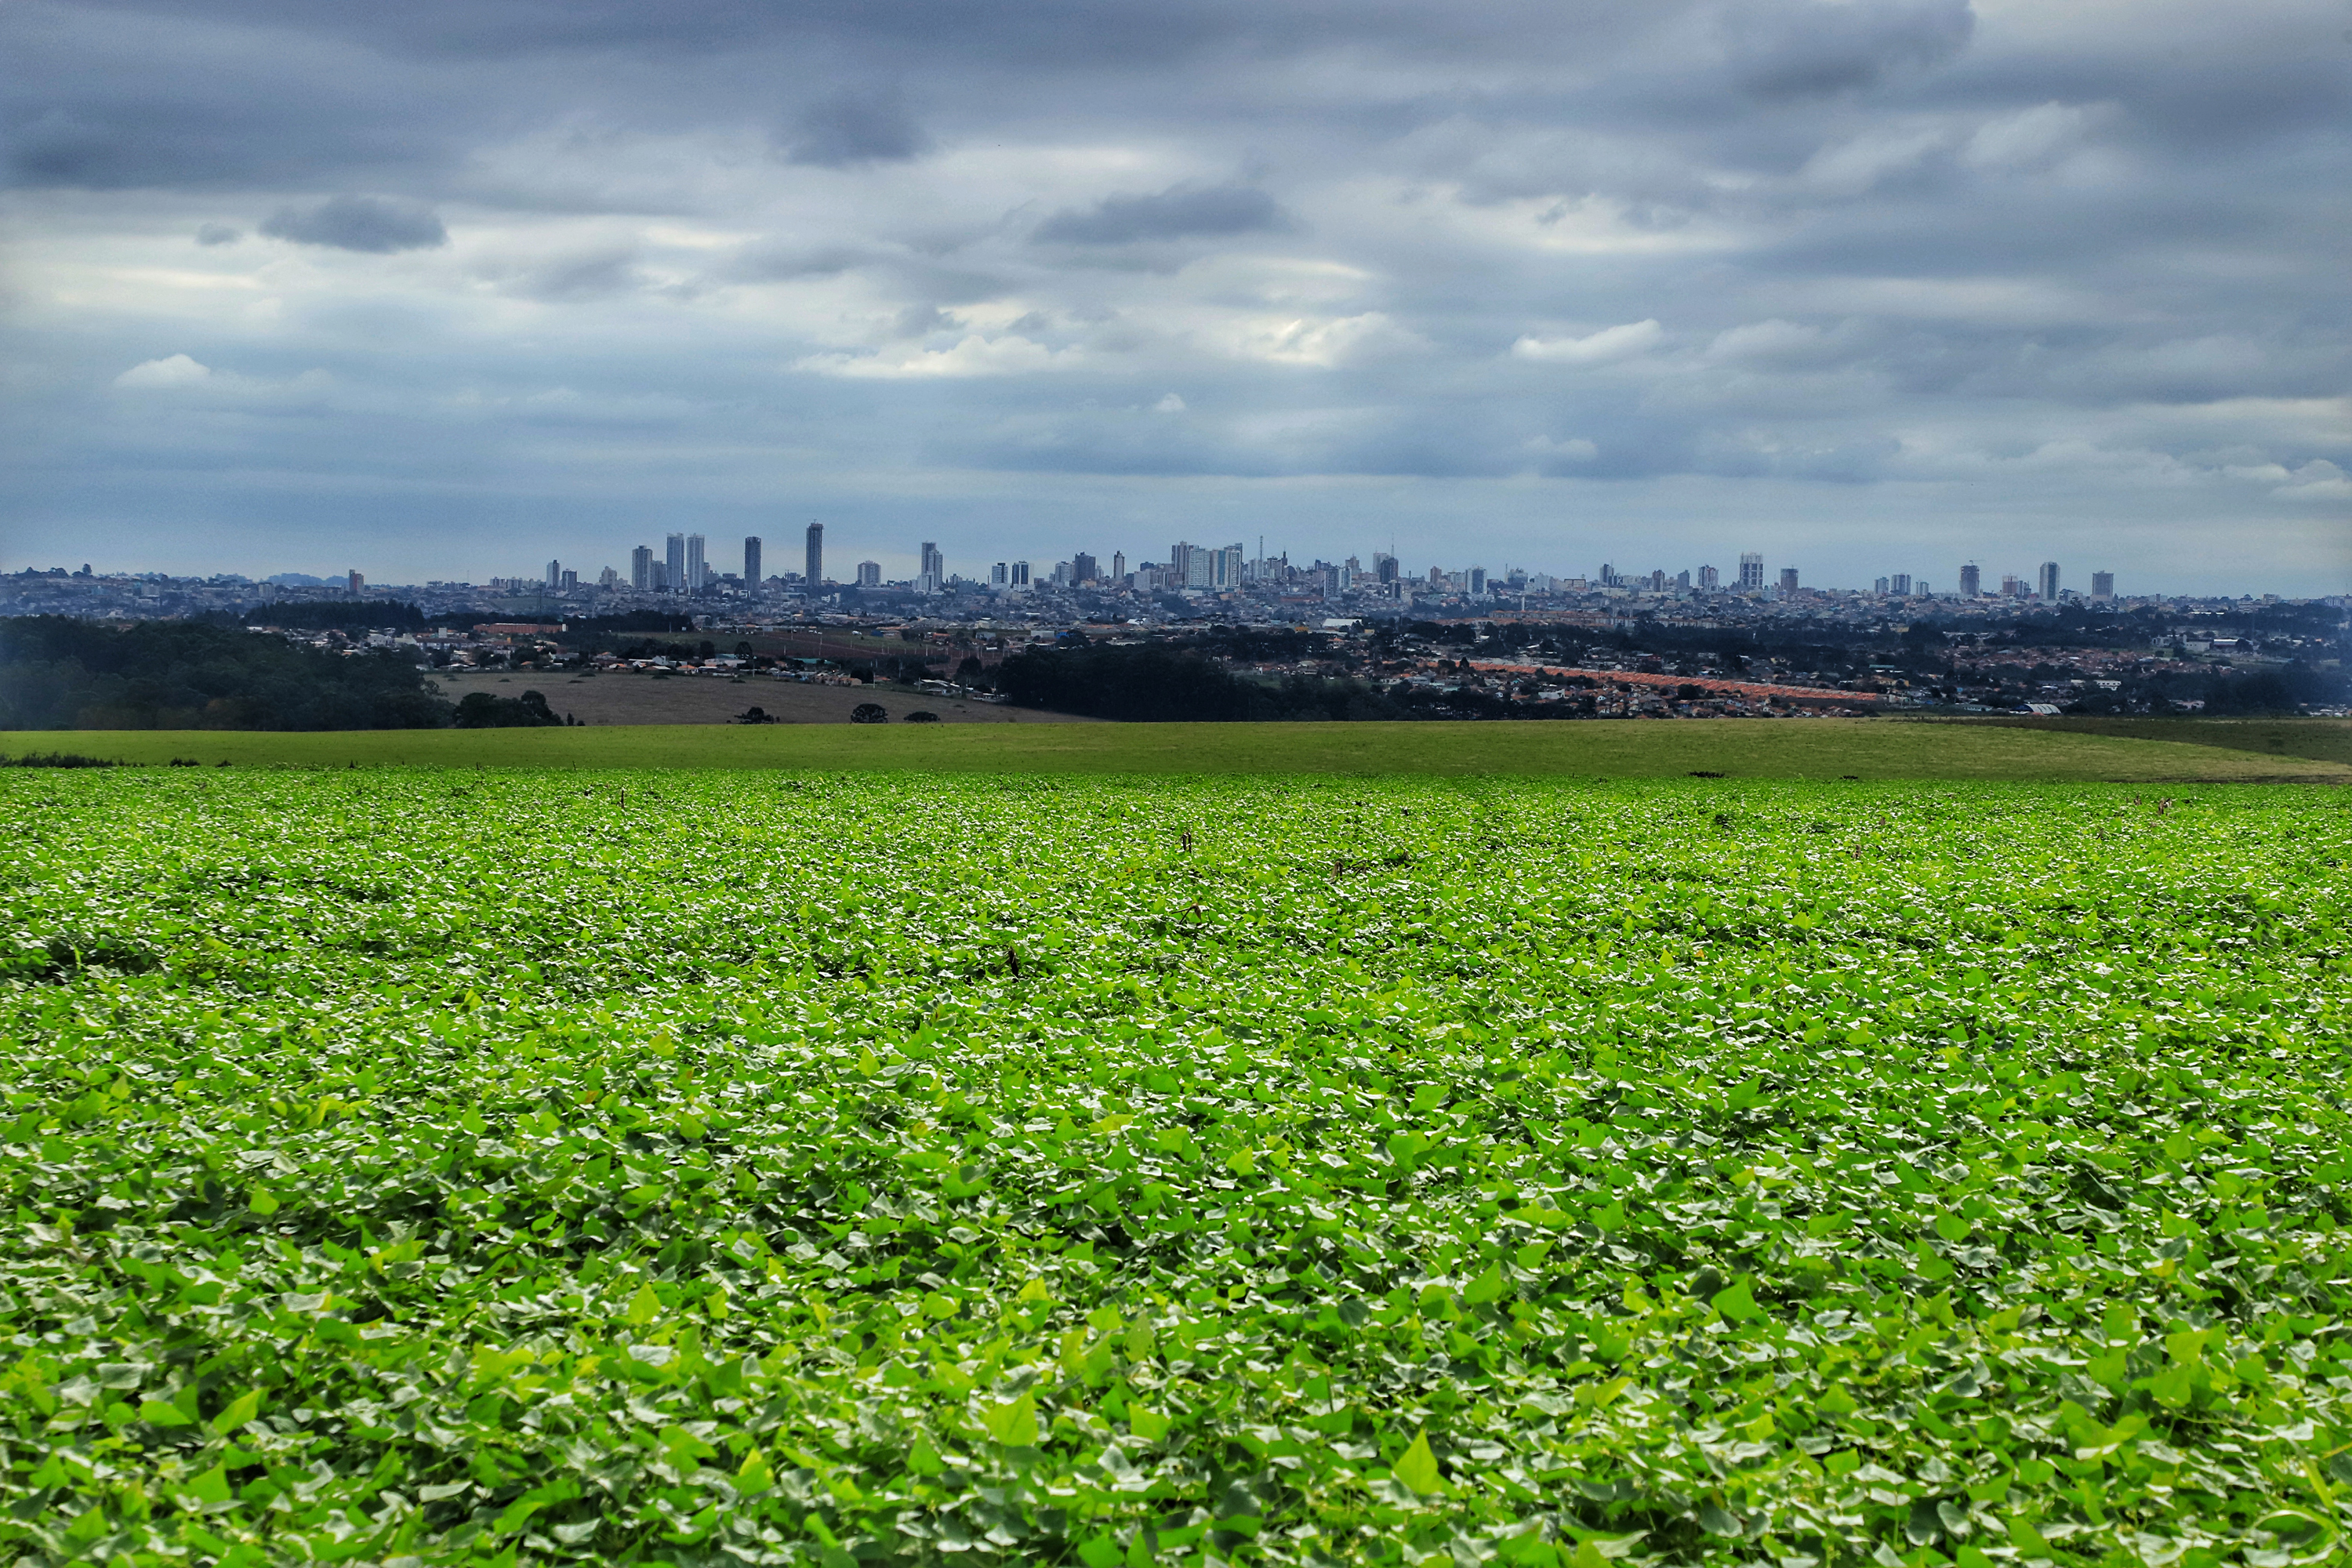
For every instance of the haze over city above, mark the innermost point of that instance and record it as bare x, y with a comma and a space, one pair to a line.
442, 292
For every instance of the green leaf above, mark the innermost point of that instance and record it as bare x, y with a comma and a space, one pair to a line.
1736, 1302
644, 1308
1488, 1287
1147, 1424
1014, 1424
237, 1411
1417, 1468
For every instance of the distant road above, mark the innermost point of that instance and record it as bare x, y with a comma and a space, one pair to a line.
1759, 692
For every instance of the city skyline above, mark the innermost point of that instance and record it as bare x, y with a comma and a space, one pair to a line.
1926, 279
685, 572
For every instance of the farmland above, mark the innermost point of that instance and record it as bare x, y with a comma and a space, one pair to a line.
784, 1166
2309, 751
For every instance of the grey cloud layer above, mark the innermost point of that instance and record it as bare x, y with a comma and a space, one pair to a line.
376, 224
1554, 260
1174, 214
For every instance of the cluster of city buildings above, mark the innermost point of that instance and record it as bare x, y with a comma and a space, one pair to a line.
1194, 573
1227, 582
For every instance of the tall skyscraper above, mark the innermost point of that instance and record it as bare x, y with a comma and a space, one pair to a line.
869, 573
1384, 567
698, 574
1000, 575
356, 583
554, 572
1709, 579
935, 565
1226, 570
2103, 584
1019, 575
751, 564
1899, 585
1788, 579
641, 569
2047, 583
1085, 568
675, 560
1477, 582
1751, 572
1118, 566
814, 572
1971, 581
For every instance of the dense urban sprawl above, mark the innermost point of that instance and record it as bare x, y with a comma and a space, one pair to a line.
1343, 640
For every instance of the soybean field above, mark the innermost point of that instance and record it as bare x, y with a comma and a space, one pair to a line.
412, 1166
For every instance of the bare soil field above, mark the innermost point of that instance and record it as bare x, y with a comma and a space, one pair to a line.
636, 697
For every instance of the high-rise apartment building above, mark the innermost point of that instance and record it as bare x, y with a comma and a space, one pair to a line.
673, 557
1971, 581
657, 577
608, 579
641, 569
751, 564
1477, 582
1000, 575
1899, 585
1709, 579
1384, 567
1788, 579
1881, 587
1225, 569
2047, 582
813, 575
869, 573
698, 572
1751, 572
568, 581
553, 575
1118, 566
1020, 575
356, 583
2103, 584
1085, 568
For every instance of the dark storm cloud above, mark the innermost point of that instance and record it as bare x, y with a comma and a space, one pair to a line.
378, 225
1814, 47
1178, 213
856, 128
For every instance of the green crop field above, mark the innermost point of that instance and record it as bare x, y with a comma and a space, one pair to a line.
1797, 748
769, 1167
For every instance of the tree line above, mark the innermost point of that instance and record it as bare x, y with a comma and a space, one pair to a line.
60, 673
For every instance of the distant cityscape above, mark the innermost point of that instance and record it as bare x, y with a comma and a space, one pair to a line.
1188, 582
1753, 641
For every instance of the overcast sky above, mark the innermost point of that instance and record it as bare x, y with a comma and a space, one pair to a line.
445, 288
